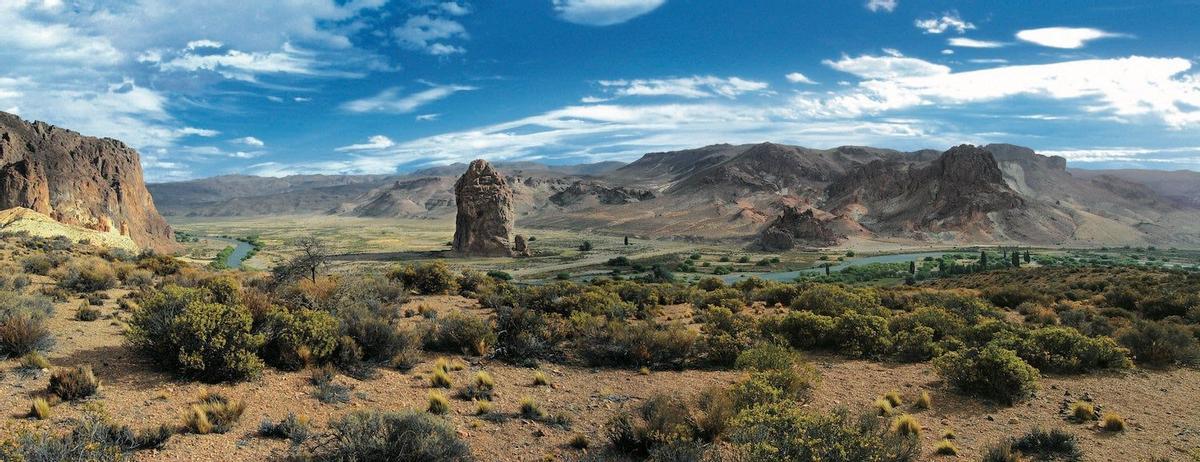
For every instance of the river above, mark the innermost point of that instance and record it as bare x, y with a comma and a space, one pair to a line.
240, 250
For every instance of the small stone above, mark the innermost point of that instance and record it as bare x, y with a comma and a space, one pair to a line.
990, 418
1013, 421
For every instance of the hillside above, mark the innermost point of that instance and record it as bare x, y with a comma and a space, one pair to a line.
993, 193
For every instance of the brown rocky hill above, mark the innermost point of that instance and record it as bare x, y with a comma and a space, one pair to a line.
93, 183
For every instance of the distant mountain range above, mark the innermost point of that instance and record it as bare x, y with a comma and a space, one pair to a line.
968, 194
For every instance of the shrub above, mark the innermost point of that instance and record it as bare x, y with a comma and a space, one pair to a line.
785, 432
916, 345
440, 379
39, 409
579, 441
862, 335
37, 264
991, 372
883, 407
802, 329
906, 425
438, 404
33, 362
23, 332
523, 335
530, 409
74, 383
325, 389
1112, 422
88, 274
213, 413
893, 398
461, 333
767, 357
832, 300
378, 340
94, 437
139, 278
431, 278
483, 407
1055, 444
1160, 344
1065, 350
778, 385
86, 313
294, 339
184, 331
293, 427
630, 344
540, 379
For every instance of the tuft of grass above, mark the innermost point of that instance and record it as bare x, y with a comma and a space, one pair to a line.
483, 407
530, 409
906, 425
579, 441
924, 401
644, 370
1112, 422
293, 427
481, 387
948, 434
87, 313
1082, 411
440, 379
945, 448
213, 413
540, 379
893, 397
39, 409
33, 362
325, 389
883, 407
74, 383
438, 404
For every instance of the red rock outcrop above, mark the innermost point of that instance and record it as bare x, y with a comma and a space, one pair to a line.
79, 180
796, 228
484, 224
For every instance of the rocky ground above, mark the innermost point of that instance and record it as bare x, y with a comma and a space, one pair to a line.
1160, 407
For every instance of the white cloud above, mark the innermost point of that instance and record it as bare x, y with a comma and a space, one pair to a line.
949, 20
603, 12
1063, 37
964, 42
234, 64
947, 52
893, 65
988, 61
192, 131
250, 141
685, 87
427, 117
373, 143
455, 8
796, 77
593, 99
426, 33
881, 5
1125, 87
392, 101
1174, 156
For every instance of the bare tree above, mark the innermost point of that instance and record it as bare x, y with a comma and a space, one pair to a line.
312, 255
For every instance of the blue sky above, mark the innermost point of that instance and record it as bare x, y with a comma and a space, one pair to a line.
208, 87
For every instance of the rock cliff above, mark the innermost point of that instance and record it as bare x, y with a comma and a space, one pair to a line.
93, 183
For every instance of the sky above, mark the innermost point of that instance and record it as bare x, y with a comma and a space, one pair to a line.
212, 87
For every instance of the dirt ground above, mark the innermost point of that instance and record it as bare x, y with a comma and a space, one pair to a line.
1161, 407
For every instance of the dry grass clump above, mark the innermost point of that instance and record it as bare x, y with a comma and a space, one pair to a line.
33, 362
483, 407
530, 408
325, 389
481, 387
74, 383
39, 409
438, 404
213, 413
540, 379
945, 448
1082, 411
883, 407
906, 425
924, 401
579, 441
440, 379
87, 313
293, 427
1112, 422
893, 397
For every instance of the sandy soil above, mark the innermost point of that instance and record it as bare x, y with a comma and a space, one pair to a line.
1161, 407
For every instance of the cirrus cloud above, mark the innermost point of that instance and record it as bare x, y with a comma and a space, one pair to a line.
1063, 37
603, 12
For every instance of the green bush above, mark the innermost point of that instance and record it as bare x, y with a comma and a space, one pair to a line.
1160, 344
431, 278
726, 297
524, 335
37, 264
183, 330
862, 335
632, 344
991, 372
376, 339
804, 330
404, 435
460, 332
833, 300
1065, 350
916, 345
782, 431
298, 338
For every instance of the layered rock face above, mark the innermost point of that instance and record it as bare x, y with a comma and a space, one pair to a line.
484, 224
795, 228
78, 180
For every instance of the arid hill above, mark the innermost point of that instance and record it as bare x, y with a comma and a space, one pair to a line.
93, 183
968, 194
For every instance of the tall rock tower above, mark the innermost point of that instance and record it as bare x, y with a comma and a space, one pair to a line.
484, 225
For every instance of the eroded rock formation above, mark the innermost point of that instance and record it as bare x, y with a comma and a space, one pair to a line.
521, 246
95, 183
797, 228
485, 218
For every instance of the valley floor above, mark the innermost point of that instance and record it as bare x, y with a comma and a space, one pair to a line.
1160, 407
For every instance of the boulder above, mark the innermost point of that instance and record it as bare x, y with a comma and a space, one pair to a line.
795, 228
521, 247
484, 224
